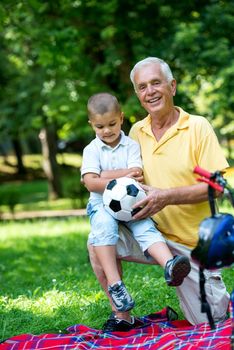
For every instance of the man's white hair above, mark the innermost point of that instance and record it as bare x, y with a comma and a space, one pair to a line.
166, 70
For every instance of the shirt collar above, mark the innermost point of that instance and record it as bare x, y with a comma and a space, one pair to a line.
182, 122
123, 141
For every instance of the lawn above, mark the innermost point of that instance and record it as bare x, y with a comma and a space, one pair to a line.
47, 284
46, 281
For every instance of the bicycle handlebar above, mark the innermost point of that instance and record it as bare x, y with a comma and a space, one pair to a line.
202, 172
211, 178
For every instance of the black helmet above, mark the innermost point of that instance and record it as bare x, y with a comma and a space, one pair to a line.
215, 248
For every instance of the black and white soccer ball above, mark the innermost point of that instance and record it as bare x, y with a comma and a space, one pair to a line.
119, 197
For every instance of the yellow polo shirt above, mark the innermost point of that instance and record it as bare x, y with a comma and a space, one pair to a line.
169, 163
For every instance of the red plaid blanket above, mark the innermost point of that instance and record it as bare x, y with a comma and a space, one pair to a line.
160, 334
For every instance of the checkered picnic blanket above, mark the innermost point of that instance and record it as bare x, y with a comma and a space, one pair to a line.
159, 334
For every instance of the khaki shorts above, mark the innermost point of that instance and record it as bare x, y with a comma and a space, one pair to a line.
189, 292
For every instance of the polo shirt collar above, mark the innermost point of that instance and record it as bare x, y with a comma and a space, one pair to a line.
182, 122
123, 141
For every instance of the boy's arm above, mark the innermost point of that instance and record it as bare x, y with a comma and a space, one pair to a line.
135, 173
97, 183
94, 183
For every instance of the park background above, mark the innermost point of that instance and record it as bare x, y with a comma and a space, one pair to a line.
54, 55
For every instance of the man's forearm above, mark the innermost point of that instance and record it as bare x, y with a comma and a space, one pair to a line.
186, 195
157, 199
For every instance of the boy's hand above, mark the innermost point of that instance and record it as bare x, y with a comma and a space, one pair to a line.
136, 175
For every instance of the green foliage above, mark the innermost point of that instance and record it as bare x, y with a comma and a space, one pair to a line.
54, 55
9, 196
31, 193
77, 192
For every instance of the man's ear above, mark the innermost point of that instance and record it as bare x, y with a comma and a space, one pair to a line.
173, 87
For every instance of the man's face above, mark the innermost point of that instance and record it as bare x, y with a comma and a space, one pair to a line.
153, 90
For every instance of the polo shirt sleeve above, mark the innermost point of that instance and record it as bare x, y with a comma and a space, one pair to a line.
134, 155
133, 133
210, 153
90, 160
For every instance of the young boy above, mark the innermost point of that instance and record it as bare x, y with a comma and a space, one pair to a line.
112, 155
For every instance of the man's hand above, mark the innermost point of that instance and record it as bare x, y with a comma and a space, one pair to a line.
153, 203
157, 199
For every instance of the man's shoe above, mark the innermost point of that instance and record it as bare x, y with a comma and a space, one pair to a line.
120, 297
176, 270
113, 324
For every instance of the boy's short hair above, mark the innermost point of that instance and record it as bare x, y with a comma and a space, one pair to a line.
102, 103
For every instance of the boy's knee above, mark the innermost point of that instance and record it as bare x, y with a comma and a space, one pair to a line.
97, 268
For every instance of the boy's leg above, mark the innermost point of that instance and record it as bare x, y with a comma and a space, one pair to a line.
103, 237
99, 272
152, 243
118, 321
107, 258
116, 288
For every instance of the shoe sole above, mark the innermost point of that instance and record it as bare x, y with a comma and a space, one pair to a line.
180, 270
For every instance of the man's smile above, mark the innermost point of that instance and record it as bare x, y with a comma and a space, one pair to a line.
154, 99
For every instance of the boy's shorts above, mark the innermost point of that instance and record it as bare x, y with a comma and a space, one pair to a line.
105, 229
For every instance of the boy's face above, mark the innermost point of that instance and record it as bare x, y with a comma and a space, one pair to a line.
107, 127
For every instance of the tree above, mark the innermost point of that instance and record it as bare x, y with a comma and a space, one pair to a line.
58, 53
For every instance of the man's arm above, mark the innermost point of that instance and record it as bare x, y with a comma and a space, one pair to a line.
157, 199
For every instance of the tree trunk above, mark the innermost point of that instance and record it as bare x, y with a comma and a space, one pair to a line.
49, 150
19, 156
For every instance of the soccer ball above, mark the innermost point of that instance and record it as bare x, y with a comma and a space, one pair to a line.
119, 197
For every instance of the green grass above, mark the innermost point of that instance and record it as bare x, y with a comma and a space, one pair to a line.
47, 284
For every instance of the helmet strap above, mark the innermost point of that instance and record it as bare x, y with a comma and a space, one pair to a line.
205, 307
211, 200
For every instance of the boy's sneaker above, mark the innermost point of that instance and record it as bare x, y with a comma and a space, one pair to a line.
113, 324
120, 297
176, 270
